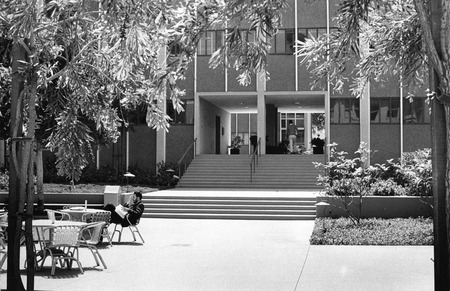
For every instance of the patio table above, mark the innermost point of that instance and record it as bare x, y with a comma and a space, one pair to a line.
40, 224
77, 212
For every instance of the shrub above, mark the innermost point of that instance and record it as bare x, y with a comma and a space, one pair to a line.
387, 188
105, 174
373, 231
344, 176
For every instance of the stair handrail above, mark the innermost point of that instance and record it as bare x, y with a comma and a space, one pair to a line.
190, 155
254, 161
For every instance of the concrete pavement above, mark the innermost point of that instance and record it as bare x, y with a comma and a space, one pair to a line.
258, 255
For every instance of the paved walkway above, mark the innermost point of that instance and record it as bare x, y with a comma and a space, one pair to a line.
241, 255
191, 254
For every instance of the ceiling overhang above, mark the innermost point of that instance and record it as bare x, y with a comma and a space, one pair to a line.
246, 102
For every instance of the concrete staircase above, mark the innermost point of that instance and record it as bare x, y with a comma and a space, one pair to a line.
219, 187
229, 205
274, 172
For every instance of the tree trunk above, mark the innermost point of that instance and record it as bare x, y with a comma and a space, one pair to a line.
14, 281
39, 178
440, 226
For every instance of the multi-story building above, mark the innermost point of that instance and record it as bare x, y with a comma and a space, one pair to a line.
217, 108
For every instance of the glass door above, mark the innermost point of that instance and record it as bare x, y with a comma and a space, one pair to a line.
299, 120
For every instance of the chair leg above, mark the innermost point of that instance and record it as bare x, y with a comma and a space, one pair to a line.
3, 259
97, 254
134, 229
119, 231
105, 234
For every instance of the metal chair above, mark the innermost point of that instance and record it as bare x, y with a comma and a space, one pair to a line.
133, 228
104, 216
3, 244
90, 236
58, 215
63, 245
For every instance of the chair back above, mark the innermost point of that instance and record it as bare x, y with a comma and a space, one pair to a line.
101, 216
92, 233
65, 236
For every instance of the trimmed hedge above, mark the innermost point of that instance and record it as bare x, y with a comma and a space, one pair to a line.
373, 231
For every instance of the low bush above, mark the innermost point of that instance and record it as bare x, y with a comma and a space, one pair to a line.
344, 176
373, 231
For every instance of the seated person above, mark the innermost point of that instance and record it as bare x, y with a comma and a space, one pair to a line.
134, 209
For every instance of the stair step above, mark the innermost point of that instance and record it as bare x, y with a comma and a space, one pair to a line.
230, 216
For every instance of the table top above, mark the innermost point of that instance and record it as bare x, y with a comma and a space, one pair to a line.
48, 223
81, 210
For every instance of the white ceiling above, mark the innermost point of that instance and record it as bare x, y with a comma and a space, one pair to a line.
248, 103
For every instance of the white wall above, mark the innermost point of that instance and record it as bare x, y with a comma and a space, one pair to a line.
207, 125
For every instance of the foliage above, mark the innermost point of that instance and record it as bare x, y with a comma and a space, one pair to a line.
419, 171
317, 122
101, 62
167, 176
392, 45
373, 231
387, 188
413, 177
346, 178
4, 180
236, 142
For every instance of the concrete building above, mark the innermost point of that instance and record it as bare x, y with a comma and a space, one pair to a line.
217, 108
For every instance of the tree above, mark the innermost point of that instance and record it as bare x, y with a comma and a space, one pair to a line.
101, 57
410, 40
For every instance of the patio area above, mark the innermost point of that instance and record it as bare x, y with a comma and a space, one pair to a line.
185, 254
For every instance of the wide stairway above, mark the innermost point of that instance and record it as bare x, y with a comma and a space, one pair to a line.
219, 187
274, 172
204, 204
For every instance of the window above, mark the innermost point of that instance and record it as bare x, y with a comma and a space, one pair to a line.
382, 110
374, 110
416, 111
283, 42
210, 42
184, 117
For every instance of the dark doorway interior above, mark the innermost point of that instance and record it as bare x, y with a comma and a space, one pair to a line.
217, 135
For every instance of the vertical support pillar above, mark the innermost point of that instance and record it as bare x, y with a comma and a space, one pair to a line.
261, 105
161, 134
308, 130
364, 129
327, 123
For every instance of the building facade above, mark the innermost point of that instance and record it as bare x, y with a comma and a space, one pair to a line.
218, 108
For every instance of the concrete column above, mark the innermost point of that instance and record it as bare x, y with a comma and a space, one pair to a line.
364, 127
261, 105
308, 130
161, 134
327, 123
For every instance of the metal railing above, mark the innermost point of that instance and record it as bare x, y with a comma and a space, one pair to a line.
254, 161
186, 158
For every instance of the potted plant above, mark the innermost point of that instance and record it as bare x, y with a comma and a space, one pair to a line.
236, 144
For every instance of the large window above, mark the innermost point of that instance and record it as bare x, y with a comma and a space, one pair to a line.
344, 110
184, 117
299, 121
382, 110
210, 42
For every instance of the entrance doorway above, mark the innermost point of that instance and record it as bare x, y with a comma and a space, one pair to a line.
299, 121
218, 133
